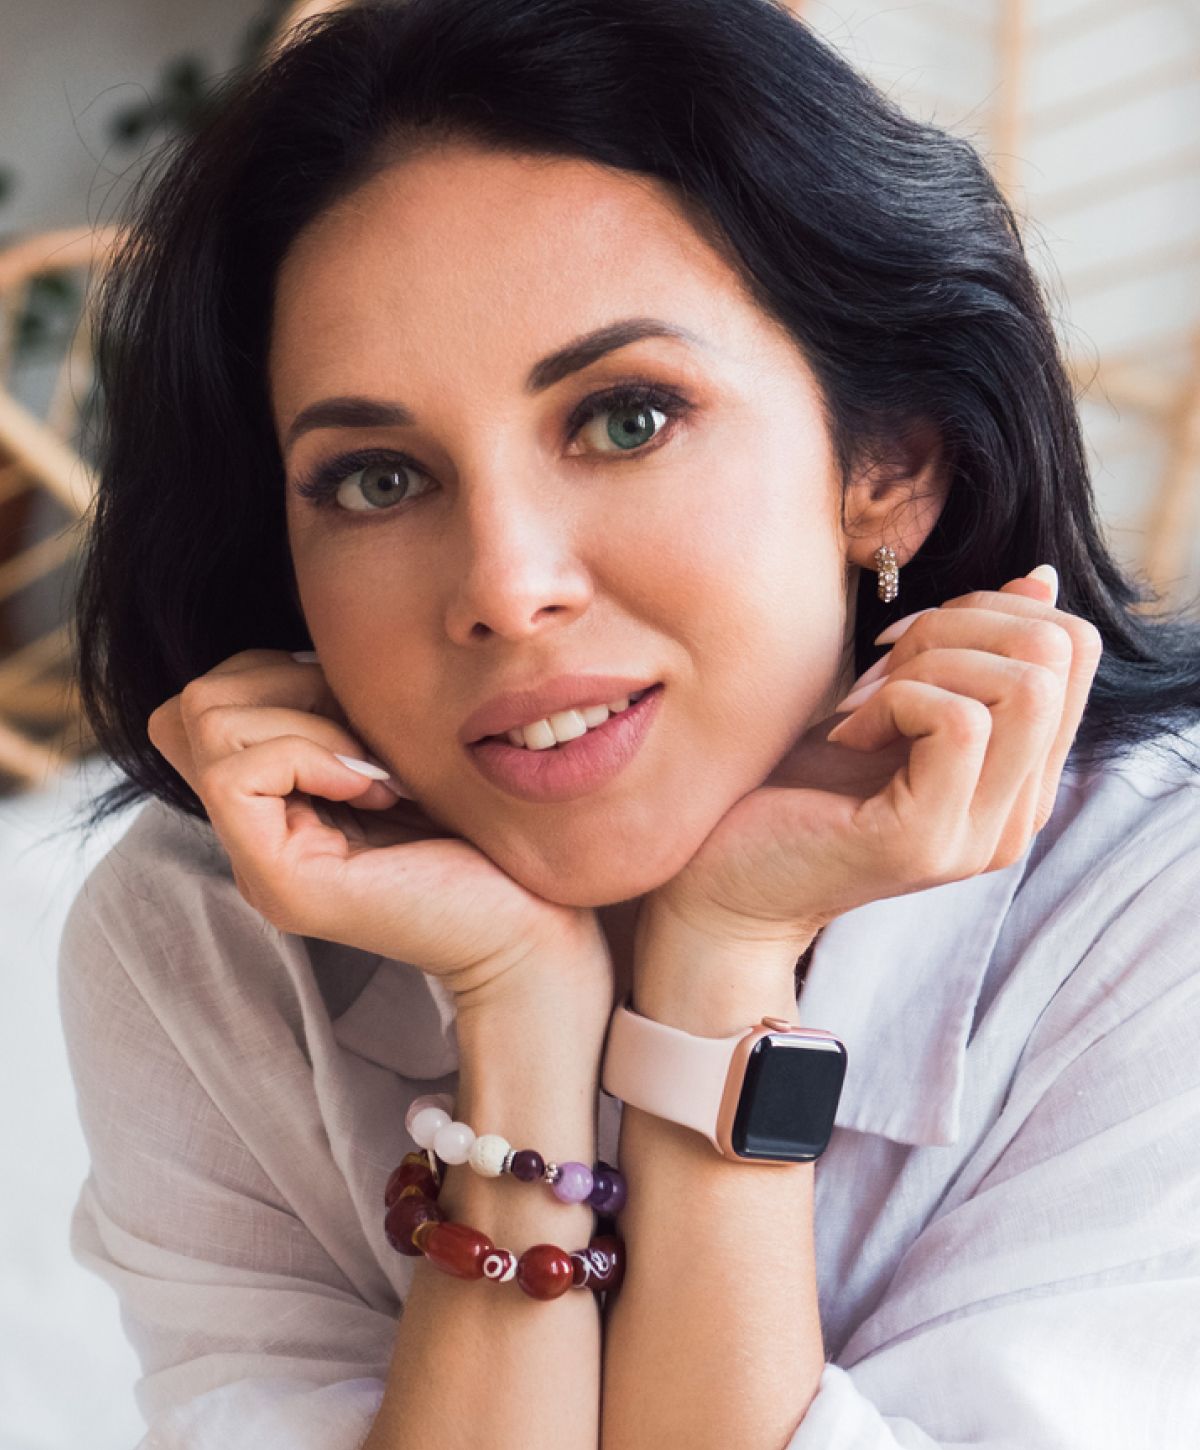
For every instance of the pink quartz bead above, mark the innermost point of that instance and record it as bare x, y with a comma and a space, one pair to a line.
426, 1100
453, 1141
426, 1124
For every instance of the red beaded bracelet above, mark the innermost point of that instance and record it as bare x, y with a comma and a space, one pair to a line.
414, 1224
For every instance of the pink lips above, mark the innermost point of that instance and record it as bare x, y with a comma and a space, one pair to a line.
572, 769
563, 692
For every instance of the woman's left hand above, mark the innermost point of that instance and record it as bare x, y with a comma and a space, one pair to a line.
947, 769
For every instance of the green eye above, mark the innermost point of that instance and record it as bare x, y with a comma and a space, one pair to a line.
628, 427
361, 483
375, 487
626, 419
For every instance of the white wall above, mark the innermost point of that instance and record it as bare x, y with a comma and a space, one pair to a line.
66, 66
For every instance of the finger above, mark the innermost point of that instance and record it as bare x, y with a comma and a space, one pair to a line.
1016, 637
219, 730
1025, 700
255, 801
270, 677
991, 614
1087, 648
1040, 590
1038, 638
193, 739
926, 805
267, 679
253, 659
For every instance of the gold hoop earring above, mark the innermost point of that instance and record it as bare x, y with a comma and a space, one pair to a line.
888, 584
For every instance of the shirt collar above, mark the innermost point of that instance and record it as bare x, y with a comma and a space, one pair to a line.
897, 980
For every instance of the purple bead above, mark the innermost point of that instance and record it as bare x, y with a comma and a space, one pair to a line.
574, 1183
601, 1186
609, 1192
527, 1165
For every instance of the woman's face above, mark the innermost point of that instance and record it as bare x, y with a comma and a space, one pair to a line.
507, 534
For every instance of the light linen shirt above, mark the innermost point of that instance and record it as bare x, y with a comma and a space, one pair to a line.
1007, 1215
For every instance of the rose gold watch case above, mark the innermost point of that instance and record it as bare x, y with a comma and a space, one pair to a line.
737, 1074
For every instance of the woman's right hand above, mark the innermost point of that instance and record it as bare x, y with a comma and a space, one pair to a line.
256, 737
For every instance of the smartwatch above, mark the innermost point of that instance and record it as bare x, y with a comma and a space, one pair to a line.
766, 1094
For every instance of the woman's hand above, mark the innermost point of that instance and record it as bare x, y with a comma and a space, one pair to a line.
947, 767
255, 738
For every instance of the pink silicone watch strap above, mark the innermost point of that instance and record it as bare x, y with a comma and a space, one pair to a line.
667, 1072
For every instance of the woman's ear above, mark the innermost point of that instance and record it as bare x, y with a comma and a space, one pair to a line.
897, 497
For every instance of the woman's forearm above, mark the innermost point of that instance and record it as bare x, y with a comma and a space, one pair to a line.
482, 1364
718, 1308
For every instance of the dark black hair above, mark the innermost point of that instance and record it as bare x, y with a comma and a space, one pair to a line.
880, 242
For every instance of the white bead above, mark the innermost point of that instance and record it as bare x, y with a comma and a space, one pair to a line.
452, 1142
488, 1154
425, 1124
425, 1101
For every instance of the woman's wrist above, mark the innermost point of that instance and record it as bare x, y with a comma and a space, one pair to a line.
572, 973
691, 977
537, 1089
529, 1070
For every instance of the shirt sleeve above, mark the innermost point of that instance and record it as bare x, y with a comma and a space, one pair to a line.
249, 1334
1053, 1301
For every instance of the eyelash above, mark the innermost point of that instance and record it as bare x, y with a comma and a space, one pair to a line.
321, 485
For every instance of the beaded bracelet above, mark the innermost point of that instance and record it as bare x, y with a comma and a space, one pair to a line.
414, 1224
429, 1124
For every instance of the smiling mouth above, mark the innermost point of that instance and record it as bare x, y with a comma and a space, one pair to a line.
511, 737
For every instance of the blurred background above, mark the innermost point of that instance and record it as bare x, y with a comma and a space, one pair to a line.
1088, 112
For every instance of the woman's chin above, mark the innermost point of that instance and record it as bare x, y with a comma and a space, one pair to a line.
596, 882
583, 866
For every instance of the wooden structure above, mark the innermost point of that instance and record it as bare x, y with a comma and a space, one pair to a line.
42, 477
46, 488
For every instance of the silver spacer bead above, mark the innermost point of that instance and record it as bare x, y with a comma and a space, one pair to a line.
552, 1174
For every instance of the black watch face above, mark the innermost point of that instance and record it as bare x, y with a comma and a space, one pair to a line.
789, 1098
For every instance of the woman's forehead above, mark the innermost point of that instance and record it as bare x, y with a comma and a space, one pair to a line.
472, 260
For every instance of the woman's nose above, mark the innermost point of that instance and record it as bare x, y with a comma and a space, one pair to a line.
520, 569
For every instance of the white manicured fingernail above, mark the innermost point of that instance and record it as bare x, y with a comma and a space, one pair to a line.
376, 772
856, 697
875, 672
1046, 574
305, 656
893, 632
364, 767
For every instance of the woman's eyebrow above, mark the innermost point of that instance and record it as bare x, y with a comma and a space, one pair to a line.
362, 412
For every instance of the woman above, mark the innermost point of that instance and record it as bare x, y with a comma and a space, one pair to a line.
678, 357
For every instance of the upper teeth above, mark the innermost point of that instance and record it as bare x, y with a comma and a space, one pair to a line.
568, 724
